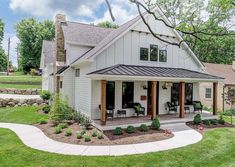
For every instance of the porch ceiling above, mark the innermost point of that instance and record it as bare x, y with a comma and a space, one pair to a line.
152, 73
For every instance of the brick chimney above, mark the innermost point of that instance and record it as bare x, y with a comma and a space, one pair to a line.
59, 39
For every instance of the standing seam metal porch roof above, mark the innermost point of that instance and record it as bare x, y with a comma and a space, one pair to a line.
133, 70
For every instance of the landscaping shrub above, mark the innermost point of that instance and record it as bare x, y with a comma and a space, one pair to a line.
213, 121
82, 132
63, 125
206, 122
68, 132
87, 138
79, 135
100, 135
94, 133
117, 131
221, 120
130, 129
46, 109
43, 121
58, 130
33, 72
86, 122
60, 110
197, 119
155, 124
144, 128
45, 95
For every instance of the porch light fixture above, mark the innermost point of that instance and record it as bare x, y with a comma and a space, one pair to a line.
145, 87
167, 84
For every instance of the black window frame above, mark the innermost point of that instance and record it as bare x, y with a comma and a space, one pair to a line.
110, 98
151, 52
142, 50
61, 84
129, 96
175, 94
161, 54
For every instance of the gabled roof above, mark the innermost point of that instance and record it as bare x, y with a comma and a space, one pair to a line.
222, 70
165, 72
47, 52
84, 34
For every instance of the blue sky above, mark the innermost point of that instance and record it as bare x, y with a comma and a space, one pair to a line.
88, 11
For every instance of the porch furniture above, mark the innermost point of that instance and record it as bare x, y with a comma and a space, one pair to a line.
109, 112
139, 110
171, 107
197, 105
187, 108
121, 113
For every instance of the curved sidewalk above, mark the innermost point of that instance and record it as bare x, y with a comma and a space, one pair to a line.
33, 137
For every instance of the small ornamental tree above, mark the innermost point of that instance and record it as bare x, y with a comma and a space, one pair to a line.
197, 119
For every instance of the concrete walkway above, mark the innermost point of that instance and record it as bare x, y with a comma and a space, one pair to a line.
33, 137
16, 96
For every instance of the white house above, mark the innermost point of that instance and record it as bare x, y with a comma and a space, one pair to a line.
115, 68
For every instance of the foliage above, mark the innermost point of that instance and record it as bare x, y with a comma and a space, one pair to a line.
87, 138
213, 121
68, 132
46, 109
130, 129
155, 124
94, 133
42, 121
229, 113
82, 119
31, 33
197, 119
79, 135
107, 24
143, 128
63, 125
221, 120
60, 110
207, 108
206, 122
33, 72
58, 130
117, 131
100, 135
3, 57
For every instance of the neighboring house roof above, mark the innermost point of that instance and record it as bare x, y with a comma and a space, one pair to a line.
47, 52
84, 34
132, 70
222, 70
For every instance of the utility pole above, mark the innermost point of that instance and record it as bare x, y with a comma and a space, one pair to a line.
8, 54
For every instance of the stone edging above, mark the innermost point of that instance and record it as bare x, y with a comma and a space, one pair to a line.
20, 91
34, 138
10, 102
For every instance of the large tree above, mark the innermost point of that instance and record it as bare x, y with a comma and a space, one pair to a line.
31, 33
3, 57
107, 24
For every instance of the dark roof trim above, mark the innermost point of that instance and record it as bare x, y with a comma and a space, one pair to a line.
62, 69
149, 71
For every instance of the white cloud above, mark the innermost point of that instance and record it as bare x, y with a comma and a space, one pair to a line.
13, 46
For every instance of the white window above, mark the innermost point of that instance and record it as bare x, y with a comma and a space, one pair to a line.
208, 93
77, 73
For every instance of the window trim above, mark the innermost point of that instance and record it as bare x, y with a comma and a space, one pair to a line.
133, 91
207, 93
110, 82
147, 53
153, 45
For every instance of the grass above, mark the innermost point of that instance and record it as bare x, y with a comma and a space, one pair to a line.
228, 119
21, 82
216, 149
22, 115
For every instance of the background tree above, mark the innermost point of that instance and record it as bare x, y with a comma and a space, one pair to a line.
107, 24
3, 57
31, 33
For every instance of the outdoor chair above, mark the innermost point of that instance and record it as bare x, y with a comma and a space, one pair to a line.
139, 110
109, 112
197, 105
171, 107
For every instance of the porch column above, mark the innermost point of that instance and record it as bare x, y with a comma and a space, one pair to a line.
215, 96
154, 96
103, 102
182, 97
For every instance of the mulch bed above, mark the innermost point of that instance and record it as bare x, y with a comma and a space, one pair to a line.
109, 138
202, 127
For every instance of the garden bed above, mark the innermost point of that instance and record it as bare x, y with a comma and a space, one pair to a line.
108, 137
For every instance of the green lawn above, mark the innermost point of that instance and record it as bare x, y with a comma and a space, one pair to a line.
23, 115
228, 119
217, 149
20, 86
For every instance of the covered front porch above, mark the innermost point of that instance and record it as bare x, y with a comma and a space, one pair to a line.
117, 89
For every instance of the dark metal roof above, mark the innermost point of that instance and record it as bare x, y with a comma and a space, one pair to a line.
133, 70
62, 69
